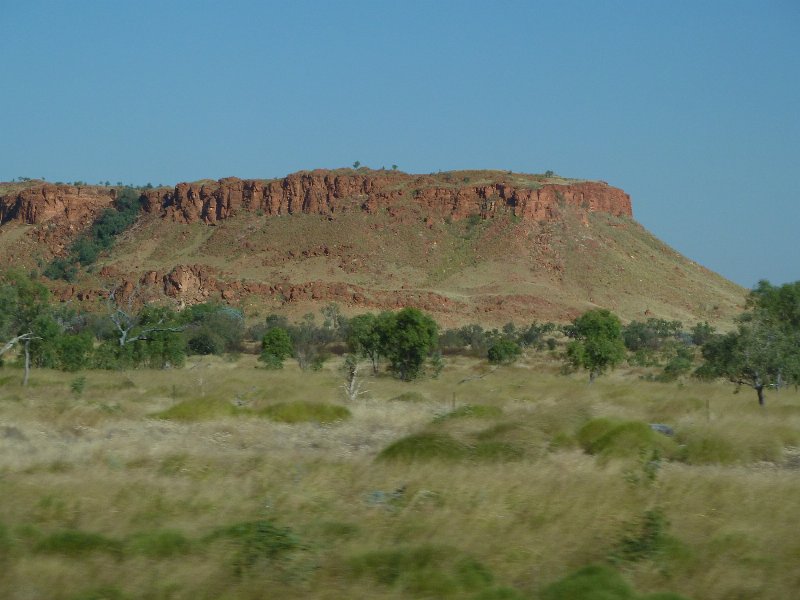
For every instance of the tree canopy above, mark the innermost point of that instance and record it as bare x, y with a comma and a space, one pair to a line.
764, 350
598, 344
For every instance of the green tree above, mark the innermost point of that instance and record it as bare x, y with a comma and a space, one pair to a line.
598, 344
24, 304
764, 350
363, 337
504, 351
407, 338
276, 346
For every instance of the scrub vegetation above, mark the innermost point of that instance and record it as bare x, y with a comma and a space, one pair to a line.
148, 453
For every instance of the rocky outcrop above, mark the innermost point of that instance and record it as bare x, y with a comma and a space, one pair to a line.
76, 205
327, 193
322, 193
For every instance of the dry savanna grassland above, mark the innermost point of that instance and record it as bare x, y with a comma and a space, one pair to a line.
225, 480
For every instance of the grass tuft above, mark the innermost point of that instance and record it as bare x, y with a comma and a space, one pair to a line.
76, 543
409, 397
198, 409
625, 439
159, 544
305, 412
471, 411
426, 446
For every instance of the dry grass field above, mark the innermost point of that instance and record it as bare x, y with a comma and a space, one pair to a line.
223, 480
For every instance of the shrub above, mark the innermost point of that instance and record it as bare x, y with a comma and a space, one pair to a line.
504, 352
644, 538
204, 343
256, 541
276, 346
299, 412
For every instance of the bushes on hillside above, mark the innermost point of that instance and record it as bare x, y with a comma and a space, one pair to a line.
100, 236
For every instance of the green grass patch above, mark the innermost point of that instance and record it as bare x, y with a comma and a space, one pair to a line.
76, 543
426, 446
424, 571
198, 409
305, 412
625, 439
409, 397
159, 544
441, 446
471, 411
256, 542
101, 593
721, 445
497, 451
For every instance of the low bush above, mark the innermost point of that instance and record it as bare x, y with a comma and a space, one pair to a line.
256, 542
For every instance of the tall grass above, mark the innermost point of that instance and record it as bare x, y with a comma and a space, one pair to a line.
169, 484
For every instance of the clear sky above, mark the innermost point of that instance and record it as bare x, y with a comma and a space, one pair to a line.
692, 107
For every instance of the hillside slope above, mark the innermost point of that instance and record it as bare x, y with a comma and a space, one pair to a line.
471, 246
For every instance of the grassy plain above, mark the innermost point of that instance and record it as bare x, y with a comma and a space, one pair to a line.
224, 480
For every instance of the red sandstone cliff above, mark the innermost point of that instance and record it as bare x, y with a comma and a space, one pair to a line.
42, 203
325, 193
321, 193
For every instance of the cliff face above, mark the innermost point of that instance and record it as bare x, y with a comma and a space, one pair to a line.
321, 193
42, 203
325, 193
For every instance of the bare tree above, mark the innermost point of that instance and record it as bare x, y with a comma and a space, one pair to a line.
129, 324
14, 341
352, 382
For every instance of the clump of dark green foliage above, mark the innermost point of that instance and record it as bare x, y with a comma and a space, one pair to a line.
99, 238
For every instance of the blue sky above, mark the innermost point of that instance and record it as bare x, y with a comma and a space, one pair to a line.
692, 107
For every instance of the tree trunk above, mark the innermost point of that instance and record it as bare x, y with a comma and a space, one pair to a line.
592, 375
27, 362
760, 392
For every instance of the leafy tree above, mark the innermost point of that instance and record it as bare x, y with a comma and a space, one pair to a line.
309, 342
213, 328
598, 344
364, 339
764, 351
701, 333
407, 338
504, 351
276, 346
25, 314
